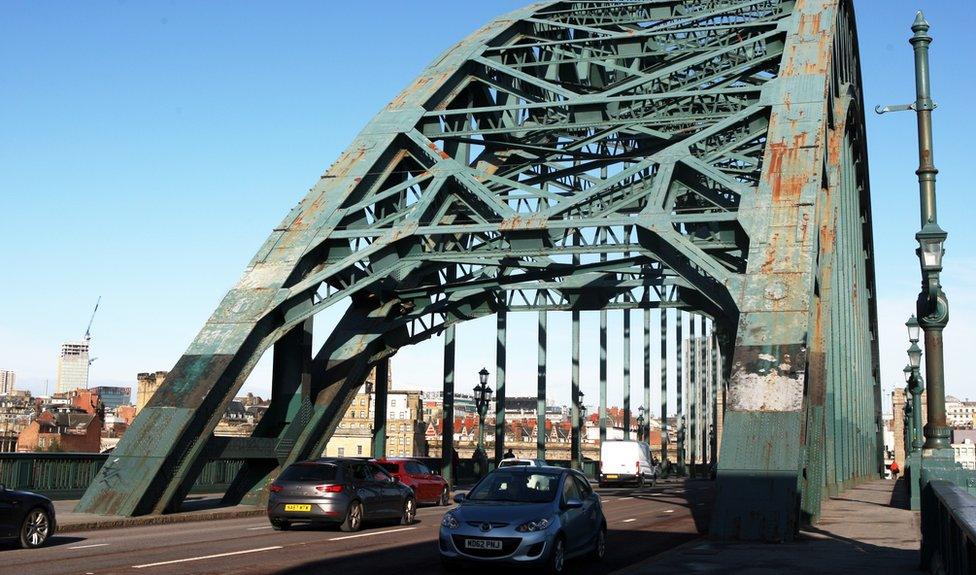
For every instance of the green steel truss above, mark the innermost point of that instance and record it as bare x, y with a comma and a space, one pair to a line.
571, 156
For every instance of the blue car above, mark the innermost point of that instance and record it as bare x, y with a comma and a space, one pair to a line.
525, 515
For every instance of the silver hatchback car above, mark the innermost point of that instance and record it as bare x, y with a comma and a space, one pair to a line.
525, 515
340, 491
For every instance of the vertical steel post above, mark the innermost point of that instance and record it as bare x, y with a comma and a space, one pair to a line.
647, 374
500, 361
575, 447
447, 417
702, 359
692, 395
540, 406
664, 384
380, 388
602, 411
679, 391
626, 323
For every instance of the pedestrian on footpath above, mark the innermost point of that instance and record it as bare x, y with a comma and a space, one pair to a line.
894, 470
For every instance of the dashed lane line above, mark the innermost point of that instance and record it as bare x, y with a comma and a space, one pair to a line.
88, 546
372, 533
631, 520
203, 557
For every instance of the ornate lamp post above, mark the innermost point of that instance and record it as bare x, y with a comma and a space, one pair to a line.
932, 305
640, 424
915, 381
482, 397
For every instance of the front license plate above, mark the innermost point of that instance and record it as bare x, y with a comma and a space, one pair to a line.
482, 544
297, 507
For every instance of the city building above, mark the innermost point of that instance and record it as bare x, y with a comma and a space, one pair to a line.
965, 453
147, 384
73, 366
959, 413
67, 430
7, 381
113, 397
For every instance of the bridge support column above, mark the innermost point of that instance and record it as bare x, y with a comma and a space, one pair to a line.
500, 364
645, 427
626, 328
540, 407
380, 387
447, 416
679, 391
575, 439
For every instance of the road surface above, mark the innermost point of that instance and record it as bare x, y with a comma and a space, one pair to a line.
641, 523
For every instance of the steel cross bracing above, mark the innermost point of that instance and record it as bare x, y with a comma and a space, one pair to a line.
566, 156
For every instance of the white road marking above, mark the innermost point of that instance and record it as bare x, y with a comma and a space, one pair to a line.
218, 555
89, 546
628, 520
372, 533
669, 510
257, 528
624, 498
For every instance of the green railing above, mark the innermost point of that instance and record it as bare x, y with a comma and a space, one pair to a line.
948, 529
67, 475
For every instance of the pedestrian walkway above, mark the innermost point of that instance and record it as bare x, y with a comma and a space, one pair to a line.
195, 508
867, 529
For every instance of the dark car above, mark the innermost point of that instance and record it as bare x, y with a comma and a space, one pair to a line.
26, 516
525, 515
339, 491
427, 486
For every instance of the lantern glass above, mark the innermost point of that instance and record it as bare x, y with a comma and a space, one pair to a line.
483, 376
913, 329
908, 373
930, 250
914, 355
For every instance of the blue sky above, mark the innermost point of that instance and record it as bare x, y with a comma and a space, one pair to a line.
148, 148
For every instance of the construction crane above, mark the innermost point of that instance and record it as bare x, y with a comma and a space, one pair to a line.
88, 330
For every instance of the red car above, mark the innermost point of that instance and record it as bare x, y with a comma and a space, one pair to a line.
428, 487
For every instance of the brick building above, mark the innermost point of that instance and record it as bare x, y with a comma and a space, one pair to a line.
67, 430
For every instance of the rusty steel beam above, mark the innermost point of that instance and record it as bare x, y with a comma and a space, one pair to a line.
571, 156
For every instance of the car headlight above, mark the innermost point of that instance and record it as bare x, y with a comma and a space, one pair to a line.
530, 526
450, 521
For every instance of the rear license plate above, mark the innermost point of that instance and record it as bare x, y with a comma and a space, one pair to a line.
482, 544
298, 507
611, 476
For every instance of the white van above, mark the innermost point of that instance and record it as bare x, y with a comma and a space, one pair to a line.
626, 462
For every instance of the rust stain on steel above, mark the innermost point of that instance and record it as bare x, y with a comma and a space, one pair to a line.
444, 155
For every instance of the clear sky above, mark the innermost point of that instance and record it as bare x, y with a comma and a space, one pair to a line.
148, 148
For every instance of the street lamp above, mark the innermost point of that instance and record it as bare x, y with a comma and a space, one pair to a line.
482, 397
913, 329
640, 424
932, 305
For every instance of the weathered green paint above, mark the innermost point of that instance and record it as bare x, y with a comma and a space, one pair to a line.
574, 156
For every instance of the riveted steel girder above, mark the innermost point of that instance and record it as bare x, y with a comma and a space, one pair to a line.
568, 156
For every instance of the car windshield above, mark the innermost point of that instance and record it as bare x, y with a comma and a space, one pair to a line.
517, 485
309, 472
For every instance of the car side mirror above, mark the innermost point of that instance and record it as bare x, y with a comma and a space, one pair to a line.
459, 498
393, 479
572, 504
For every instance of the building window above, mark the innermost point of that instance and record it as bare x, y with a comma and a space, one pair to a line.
342, 451
359, 450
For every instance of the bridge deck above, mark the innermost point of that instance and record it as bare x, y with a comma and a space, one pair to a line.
867, 529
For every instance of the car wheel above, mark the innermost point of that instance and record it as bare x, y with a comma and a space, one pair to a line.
409, 512
640, 482
35, 529
445, 497
600, 549
279, 525
557, 557
354, 517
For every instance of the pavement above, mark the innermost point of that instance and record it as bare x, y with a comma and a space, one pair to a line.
867, 529
194, 508
641, 523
